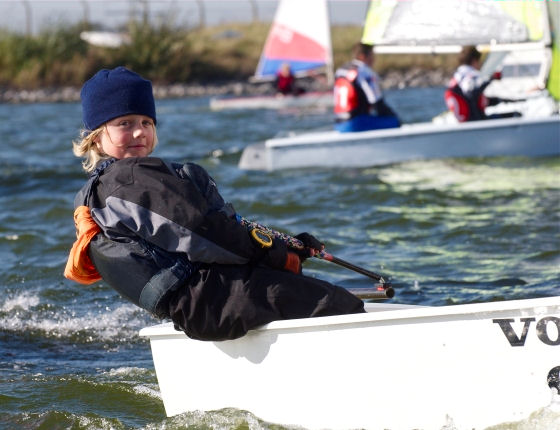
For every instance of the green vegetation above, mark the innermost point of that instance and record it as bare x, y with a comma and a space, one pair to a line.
58, 57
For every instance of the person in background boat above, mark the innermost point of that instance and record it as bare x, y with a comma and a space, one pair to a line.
286, 81
464, 95
359, 103
161, 234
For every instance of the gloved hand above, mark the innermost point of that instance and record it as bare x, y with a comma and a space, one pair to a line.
496, 75
296, 257
311, 244
278, 256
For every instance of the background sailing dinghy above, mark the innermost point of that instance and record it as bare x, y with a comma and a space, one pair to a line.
397, 367
530, 137
523, 49
299, 36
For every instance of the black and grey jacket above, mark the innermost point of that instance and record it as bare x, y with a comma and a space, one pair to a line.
161, 220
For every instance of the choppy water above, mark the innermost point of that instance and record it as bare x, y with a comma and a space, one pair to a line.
446, 232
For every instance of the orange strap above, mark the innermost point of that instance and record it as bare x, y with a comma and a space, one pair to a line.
79, 267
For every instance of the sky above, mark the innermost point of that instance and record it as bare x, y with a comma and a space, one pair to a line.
34, 15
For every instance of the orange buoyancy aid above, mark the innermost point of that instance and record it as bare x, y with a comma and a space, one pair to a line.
79, 267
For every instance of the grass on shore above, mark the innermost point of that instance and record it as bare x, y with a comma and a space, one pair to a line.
57, 57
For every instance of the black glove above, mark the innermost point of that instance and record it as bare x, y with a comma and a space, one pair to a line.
278, 256
311, 244
310, 241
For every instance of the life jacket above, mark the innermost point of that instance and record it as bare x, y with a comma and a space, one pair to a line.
79, 267
349, 99
139, 271
285, 84
464, 108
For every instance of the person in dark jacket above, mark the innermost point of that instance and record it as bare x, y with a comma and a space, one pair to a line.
161, 234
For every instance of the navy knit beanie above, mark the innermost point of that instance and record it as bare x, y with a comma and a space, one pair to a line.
113, 93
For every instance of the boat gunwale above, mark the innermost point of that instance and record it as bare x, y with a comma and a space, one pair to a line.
327, 138
394, 316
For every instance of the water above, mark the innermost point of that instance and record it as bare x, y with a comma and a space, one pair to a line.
446, 232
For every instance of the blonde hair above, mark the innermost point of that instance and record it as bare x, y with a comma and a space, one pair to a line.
86, 147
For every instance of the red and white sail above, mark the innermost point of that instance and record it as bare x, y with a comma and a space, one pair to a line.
299, 36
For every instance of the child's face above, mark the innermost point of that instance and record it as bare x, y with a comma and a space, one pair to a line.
127, 136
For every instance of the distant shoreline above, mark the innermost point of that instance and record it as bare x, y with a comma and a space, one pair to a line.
415, 77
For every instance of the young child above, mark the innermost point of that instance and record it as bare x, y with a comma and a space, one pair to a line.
161, 234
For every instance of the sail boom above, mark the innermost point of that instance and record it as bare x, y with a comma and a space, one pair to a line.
452, 49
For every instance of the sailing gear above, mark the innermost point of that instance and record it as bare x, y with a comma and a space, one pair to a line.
311, 246
224, 301
285, 84
296, 256
261, 237
356, 88
79, 267
464, 94
458, 104
293, 262
113, 93
310, 241
147, 198
137, 270
357, 95
167, 238
177, 208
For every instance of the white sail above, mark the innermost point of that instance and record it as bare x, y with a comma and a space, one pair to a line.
516, 34
446, 25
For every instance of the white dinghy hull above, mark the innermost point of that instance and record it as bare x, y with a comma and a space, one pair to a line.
497, 137
395, 367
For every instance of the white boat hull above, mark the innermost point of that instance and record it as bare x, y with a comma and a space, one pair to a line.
303, 101
498, 137
395, 367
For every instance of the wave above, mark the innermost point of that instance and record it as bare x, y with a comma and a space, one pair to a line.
29, 315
